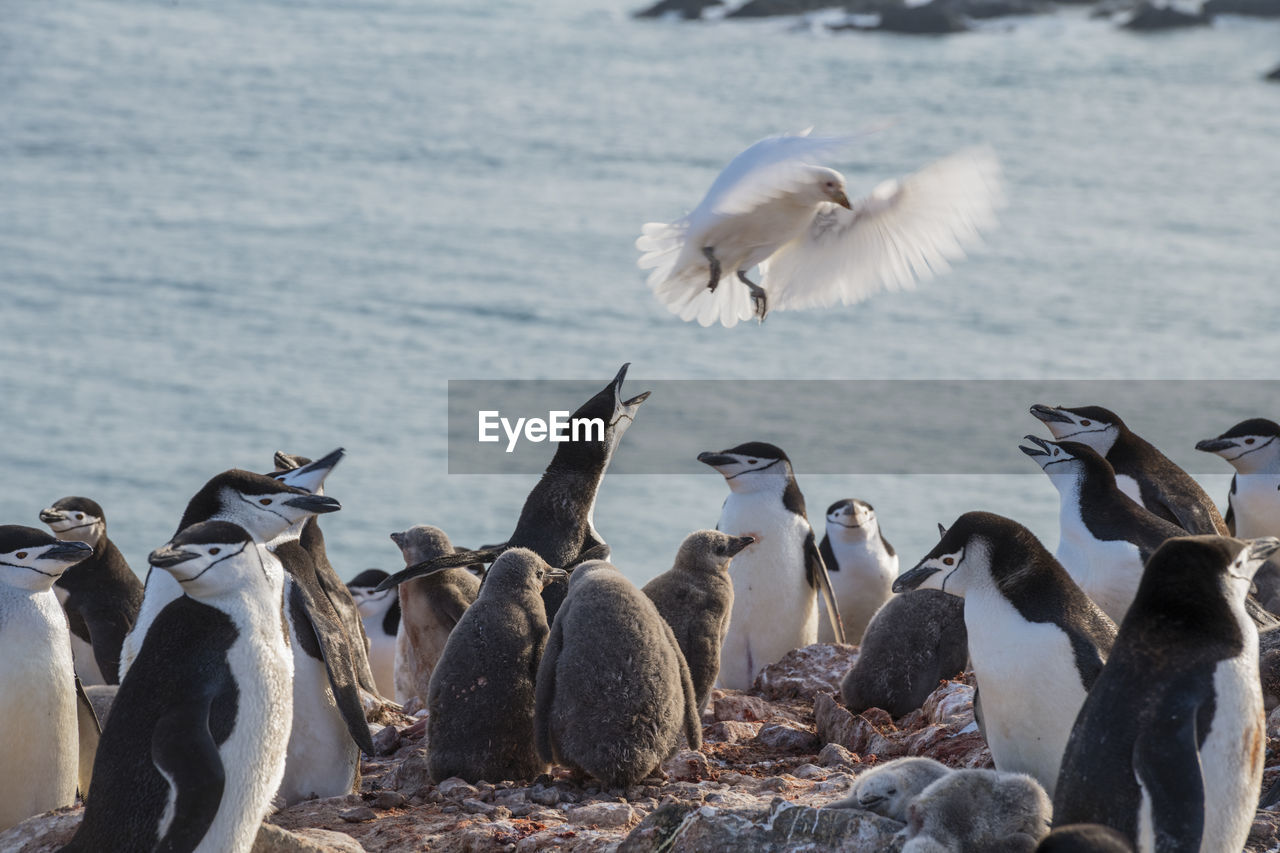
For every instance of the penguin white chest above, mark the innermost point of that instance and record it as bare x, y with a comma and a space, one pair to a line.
1231, 757
1107, 570
863, 582
382, 656
774, 608
1256, 505
39, 755
1031, 689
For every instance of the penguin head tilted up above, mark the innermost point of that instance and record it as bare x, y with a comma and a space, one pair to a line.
981, 549
756, 466
1092, 425
302, 473
264, 506
617, 415
1251, 446
214, 557
32, 560
76, 519
1069, 462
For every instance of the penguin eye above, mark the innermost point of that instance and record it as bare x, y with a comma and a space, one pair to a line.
79, 516
1248, 441
891, 791
720, 550
214, 551
1055, 451
948, 561
1086, 423
265, 501
751, 461
21, 555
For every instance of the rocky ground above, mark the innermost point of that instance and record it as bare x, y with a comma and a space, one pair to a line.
770, 759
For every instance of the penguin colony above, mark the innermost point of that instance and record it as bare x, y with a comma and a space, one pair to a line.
1120, 682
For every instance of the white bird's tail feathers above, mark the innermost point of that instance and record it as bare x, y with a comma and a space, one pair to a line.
686, 293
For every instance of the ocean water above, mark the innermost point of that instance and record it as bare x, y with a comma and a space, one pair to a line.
236, 227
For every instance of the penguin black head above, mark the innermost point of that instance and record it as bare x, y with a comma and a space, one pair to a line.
591, 449
32, 560
210, 557
851, 520
710, 550
1092, 425
262, 505
301, 473
979, 549
1068, 460
76, 519
367, 578
1249, 445
750, 467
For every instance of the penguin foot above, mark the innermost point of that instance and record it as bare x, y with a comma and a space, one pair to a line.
710, 254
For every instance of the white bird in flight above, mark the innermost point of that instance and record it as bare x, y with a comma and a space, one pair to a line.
773, 208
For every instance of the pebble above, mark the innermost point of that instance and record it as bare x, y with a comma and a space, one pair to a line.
389, 800
358, 814
603, 815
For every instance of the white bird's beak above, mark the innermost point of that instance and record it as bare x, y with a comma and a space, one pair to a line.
841, 199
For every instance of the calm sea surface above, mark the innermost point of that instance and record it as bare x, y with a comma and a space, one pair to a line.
236, 227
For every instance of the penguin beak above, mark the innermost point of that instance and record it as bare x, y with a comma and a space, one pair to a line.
1209, 445
311, 477
1041, 448
715, 460
551, 575
317, 504
397, 538
617, 390
52, 516
739, 544
841, 199
167, 556
1262, 548
68, 552
914, 578
1049, 414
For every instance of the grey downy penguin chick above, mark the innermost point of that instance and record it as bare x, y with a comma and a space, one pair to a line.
695, 597
861, 564
1020, 605
914, 641
430, 607
1085, 838
1142, 472
196, 745
481, 697
1168, 748
1253, 449
557, 521
614, 691
101, 594
887, 789
978, 811
380, 613
776, 581
39, 757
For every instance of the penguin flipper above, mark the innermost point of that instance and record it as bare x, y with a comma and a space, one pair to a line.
545, 691
1166, 764
90, 730
816, 571
184, 751
345, 607
329, 632
444, 561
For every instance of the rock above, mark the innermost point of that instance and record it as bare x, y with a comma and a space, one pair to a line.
784, 826
411, 774
733, 731
1253, 8
389, 800
835, 755
689, 10
1274, 75
358, 814
855, 733
950, 701
544, 796
43, 833
386, 741
983, 9
770, 8
741, 707
603, 815
454, 788
809, 771
1148, 17
273, 839
688, 766
787, 737
933, 18
805, 672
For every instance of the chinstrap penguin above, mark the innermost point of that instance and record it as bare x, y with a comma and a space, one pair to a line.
557, 521
888, 789
1142, 472
1168, 748
777, 580
39, 756
380, 613
1020, 605
430, 607
915, 640
1253, 449
861, 564
614, 691
196, 745
695, 596
481, 698
967, 811
101, 594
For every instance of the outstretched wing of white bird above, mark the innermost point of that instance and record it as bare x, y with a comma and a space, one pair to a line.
769, 169
904, 231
